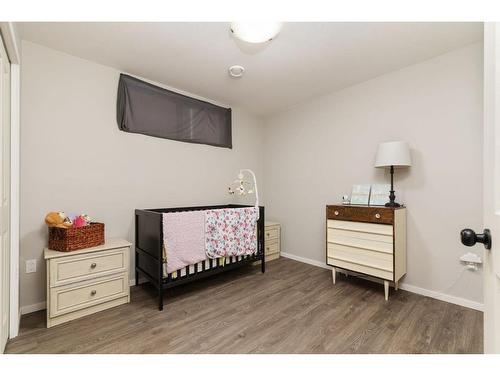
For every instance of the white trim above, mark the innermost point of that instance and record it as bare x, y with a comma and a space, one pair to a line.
443, 297
409, 288
306, 260
12, 41
32, 308
15, 83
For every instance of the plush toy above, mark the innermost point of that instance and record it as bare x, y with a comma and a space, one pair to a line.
79, 222
58, 219
87, 218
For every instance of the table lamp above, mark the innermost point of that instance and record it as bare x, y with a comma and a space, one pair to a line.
393, 154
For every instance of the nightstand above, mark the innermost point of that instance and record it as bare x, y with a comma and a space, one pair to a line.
86, 281
272, 239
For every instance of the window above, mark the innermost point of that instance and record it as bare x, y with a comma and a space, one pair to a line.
151, 110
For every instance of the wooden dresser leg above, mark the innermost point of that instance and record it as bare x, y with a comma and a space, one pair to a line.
386, 289
396, 285
334, 274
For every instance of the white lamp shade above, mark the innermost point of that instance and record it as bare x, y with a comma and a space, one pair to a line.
395, 154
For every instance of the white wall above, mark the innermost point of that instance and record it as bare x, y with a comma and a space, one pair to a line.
75, 159
315, 153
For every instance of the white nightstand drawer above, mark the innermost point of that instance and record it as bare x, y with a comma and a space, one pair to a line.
272, 233
272, 247
81, 267
78, 296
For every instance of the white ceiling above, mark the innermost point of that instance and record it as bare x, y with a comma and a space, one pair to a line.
305, 60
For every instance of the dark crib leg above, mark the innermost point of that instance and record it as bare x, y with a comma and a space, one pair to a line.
160, 299
136, 278
263, 264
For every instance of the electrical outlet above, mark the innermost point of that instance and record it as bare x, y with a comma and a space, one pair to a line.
31, 265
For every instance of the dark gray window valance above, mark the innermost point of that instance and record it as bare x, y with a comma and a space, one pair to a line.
151, 110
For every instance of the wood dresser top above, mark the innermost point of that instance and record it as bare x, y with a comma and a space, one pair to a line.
364, 206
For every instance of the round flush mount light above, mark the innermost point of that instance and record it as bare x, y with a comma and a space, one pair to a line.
236, 71
256, 32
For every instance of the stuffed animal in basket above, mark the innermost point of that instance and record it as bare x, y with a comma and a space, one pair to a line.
58, 220
61, 220
79, 222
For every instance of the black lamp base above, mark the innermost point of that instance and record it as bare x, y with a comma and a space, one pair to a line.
392, 197
392, 204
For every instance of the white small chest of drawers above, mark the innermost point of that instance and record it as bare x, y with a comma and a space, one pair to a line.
86, 281
367, 240
272, 239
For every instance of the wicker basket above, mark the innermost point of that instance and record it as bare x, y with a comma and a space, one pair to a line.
69, 239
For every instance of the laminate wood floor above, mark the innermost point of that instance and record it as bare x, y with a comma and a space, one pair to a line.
292, 308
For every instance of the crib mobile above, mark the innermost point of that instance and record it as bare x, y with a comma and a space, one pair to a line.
243, 187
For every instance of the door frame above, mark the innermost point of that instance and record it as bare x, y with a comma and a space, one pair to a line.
15, 314
12, 41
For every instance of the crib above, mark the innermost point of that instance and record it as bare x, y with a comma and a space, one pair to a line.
149, 251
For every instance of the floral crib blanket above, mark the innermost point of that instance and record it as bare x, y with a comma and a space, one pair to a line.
230, 232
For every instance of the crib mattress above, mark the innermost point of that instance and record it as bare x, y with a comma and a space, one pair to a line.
198, 267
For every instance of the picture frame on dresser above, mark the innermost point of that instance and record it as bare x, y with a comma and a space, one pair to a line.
368, 241
360, 194
379, 194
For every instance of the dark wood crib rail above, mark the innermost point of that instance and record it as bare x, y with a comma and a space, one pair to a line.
149, 249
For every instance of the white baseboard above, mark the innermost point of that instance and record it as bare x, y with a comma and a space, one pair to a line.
306, 260
443, 297
409, 288
32, 308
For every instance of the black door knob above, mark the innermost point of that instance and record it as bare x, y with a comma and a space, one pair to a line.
470, 238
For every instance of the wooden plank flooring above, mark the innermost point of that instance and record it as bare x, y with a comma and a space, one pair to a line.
292, 308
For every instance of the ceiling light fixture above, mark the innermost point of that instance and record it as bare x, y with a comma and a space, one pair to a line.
256, 32
236, 71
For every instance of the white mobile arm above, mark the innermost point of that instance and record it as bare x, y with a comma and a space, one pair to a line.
241, 188
240, 176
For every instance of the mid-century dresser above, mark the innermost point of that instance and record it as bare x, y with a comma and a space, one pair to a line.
82, 282
367, 240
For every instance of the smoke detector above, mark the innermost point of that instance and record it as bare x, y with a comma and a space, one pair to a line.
236, 71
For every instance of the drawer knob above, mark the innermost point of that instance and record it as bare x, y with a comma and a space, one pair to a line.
336, 213
93, 292
93, 265
267, 248
268, 234
377, 216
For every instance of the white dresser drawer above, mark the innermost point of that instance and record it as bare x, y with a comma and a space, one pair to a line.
363, 257
78, 296
272, 247
86, 266
372, 241
386, 275
272, 233
384, 229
